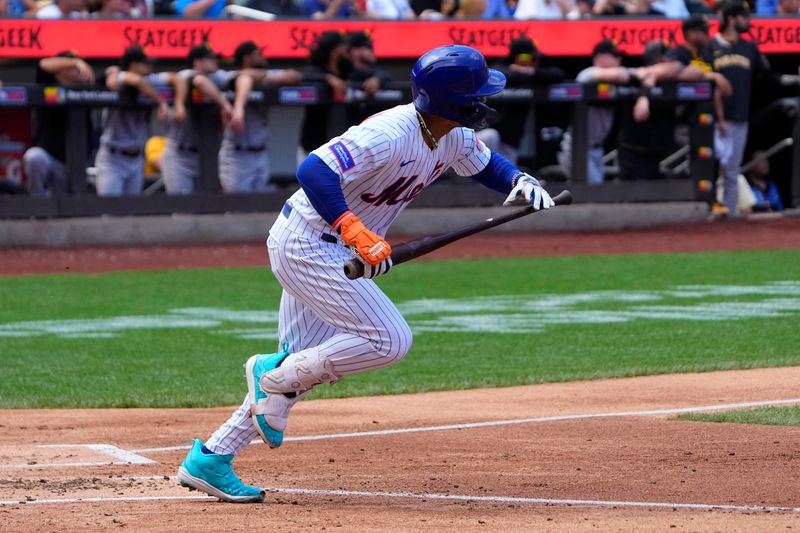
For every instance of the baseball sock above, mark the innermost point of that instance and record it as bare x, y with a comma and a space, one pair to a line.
235, 433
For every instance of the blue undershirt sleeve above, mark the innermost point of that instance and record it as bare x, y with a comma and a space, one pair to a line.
322, 186
498, 175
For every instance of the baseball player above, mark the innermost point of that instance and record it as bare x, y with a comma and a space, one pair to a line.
352, 188
522, 68
45, 161
180, 160
366, 72
120, 158
244, 153
329, 64
740, 61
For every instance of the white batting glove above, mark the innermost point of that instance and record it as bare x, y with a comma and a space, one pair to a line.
528, 190
378, 270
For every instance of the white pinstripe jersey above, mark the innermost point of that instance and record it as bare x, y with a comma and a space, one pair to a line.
384, 163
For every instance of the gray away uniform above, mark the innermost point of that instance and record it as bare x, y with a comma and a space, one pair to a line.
179, 163
120, 159
244, 157
599, 122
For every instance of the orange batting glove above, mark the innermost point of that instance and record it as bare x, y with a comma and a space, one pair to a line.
368, 245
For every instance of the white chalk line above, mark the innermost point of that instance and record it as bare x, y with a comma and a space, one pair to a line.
449, 427
102, 500
128, 458
435, 496
65, 465
515, 421
541, 501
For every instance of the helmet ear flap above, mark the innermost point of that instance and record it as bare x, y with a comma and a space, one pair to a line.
422, 101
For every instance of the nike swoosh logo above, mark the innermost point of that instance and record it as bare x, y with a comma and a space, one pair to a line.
407, 163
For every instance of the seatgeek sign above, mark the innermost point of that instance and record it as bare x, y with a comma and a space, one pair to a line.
26, 38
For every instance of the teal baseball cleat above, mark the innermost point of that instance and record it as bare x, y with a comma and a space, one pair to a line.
213, 474
269, 411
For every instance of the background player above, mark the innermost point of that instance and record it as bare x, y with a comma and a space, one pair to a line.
120, 158
45, 161
329, 64
353, 187
180, 163
742, 63
366, 72
522, 68
244, 153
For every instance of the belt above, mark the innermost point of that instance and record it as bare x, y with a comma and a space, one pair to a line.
242, 148
287, 210
126, 152
187, 148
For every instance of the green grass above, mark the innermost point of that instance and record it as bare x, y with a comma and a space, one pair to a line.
201, 366
768, 416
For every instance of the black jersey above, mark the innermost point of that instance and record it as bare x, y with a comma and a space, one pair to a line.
740, 63
703, 60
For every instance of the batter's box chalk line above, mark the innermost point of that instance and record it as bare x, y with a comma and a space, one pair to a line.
118, 455
622, 504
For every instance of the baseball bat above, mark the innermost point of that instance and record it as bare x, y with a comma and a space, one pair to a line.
407, 251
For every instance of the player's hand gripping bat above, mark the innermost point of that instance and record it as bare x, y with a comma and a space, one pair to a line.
407, 251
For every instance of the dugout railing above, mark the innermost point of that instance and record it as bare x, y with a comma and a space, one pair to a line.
82, 202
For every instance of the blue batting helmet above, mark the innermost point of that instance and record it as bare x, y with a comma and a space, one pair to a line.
452, 82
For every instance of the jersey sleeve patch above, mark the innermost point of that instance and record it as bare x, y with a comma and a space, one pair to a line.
342, 155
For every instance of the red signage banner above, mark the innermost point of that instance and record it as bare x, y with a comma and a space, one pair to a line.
27, 38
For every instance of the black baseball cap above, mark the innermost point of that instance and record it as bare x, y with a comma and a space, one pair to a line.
733, 9
606, 46
244, 49
695, 22
329, 40
359, 39
68, 53
523, 45
133, 54
202, 51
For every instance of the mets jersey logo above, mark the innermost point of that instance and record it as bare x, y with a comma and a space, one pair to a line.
401, 190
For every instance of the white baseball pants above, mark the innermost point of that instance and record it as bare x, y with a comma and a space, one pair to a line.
353, 323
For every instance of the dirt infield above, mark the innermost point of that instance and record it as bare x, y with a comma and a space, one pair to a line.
604, 455
512, 459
